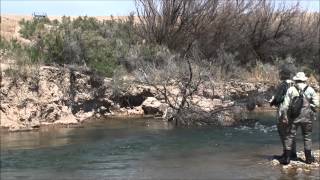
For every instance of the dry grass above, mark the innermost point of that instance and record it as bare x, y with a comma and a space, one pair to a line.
262, 73
10, 27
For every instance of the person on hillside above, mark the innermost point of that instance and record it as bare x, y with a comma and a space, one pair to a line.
285, 75
303, 116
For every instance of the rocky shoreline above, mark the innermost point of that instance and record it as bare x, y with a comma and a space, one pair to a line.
299, 166
68, 96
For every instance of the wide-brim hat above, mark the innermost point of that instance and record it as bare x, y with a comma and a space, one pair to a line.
300, 76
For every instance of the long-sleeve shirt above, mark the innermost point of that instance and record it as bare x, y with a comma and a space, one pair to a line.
281, 108
309, 93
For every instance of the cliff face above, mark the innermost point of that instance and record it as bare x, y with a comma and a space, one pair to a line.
68, 96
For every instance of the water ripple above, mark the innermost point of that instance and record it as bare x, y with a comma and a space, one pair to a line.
257, 127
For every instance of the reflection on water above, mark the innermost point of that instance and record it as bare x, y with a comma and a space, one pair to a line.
146, 149
57, 136
35, 139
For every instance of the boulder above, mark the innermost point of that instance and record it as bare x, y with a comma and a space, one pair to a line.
67, 119
136, 111
206, 104
152, 106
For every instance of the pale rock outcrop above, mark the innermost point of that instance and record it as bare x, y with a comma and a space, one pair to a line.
126, 111
133, 95
206, 104
136, 111
153, 106
65, 95
55, 95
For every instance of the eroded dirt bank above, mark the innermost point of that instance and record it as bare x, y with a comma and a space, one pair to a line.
58, 95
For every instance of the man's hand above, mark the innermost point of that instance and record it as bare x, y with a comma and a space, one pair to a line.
285, 120
271, 101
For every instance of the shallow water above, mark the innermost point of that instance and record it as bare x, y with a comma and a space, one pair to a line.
147, 149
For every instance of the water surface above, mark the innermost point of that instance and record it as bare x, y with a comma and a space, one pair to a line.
147, 149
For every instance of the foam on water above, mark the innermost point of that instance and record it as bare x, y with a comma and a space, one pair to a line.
257, 127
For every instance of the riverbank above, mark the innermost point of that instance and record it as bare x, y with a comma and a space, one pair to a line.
64, 83
68, 96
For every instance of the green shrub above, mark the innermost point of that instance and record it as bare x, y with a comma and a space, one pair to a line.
83, 41
29, 28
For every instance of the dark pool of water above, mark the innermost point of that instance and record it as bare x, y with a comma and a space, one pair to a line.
147, 149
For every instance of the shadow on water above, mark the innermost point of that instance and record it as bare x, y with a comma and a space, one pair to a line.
147, 149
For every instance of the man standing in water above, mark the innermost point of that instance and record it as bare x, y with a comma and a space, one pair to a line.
303, 116
283, 128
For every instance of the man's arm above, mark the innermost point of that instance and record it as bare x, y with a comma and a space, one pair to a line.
278, 92
286, 101
315, 99
285, 105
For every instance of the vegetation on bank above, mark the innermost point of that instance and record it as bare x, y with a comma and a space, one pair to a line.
247, 37
177, 43
82, 41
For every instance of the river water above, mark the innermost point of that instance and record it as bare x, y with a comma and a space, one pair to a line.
147, 149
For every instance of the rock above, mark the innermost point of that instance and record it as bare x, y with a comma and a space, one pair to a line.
67, 119
117, 111
208, 93
55, 95
275, 162
82, 115
206, 104
136, 111
102, 110
153, 106
168, 114
225, 118
299, 166
132, 96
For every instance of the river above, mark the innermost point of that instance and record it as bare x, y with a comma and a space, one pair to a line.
147, 149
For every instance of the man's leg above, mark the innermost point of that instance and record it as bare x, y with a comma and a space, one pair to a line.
288, 144
291, 136
282, 131
307, 133
293, 155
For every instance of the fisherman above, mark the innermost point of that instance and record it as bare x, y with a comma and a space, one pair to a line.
302, 117
277, 100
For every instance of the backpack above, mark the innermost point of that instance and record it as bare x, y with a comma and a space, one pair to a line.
281, 92
296, 104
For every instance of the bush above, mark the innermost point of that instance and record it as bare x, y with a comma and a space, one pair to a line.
84, 41
29, 28
234, 36
251, 30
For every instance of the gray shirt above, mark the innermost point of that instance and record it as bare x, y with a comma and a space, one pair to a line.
292, 92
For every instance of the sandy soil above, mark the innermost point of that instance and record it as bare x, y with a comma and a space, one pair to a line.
10, 27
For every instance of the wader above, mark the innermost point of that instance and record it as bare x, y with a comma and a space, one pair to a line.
304, 120
283, 131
